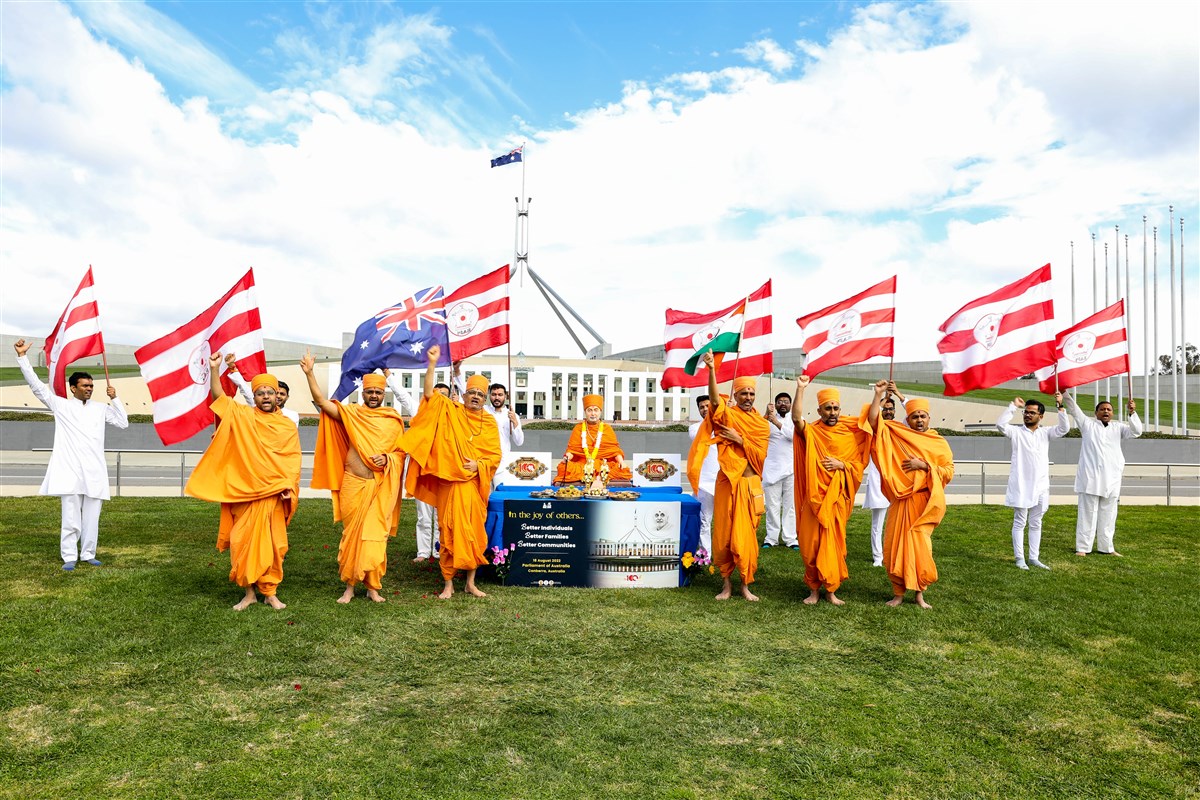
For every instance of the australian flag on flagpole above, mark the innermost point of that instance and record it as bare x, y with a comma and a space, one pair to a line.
508, 158
397, 337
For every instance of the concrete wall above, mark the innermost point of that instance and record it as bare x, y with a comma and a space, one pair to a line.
24, 436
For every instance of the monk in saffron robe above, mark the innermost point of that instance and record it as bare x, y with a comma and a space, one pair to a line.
592, 441
252, 468
741, 436
359, 458
829, 459
453, 451
915, 464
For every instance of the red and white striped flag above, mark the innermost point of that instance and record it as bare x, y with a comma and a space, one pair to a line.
477, 314
1000, 336
1093, 349
687, 332
176, 367
76, 335
851, 331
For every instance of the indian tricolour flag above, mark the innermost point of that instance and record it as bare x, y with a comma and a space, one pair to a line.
723, 336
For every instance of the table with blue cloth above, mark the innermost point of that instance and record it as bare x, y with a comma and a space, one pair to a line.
689, 512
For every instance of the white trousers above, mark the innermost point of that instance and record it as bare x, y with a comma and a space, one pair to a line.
878, 520
706, 514
80, 527
1097, 516
781, 513
1034, 517
427, 530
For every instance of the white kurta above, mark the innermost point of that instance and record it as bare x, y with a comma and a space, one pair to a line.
778, 463
1101, 460
404, 400
874, 492
509, 437
1029, 474
243, 386
77, 464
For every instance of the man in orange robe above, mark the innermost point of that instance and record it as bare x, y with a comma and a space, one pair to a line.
359, 458
252, 468
741, 436
830, 457
595, 441
454, 450
915, 464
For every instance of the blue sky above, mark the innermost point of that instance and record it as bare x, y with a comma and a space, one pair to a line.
678, 154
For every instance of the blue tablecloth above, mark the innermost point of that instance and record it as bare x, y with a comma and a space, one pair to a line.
689, 511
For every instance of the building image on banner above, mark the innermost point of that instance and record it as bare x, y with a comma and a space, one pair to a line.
634, 545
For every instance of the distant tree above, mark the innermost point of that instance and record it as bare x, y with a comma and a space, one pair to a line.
1186, 360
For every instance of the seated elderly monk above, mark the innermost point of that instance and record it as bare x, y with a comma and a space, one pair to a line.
593, 440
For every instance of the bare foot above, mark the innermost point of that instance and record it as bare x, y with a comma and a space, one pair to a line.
921, 600
248, 600
726, 591
447, 591
1080, 553
749, 595
274, 602
419, 560
375, 597
812, 598
833, 598
474, 591
347, 595
895, 601
1114, 553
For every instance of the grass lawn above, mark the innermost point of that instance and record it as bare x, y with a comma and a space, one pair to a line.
136, 679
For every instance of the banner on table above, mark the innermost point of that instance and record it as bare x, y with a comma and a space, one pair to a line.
601, 544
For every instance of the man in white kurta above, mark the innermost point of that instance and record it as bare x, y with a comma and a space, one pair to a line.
1098, 479
874, 499
779, 489
1028, 492
707, 487
507, 422
77, 472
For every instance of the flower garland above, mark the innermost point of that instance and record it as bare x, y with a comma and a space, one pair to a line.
592, 454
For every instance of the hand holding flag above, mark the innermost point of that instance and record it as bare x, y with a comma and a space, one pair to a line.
76, 335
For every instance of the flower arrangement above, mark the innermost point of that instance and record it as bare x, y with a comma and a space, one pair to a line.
501, 558
696, 564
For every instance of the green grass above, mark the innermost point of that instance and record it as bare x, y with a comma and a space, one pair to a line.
136, 680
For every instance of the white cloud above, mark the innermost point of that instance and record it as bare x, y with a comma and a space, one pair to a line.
928, 142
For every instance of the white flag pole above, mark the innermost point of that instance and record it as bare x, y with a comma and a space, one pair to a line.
1174, 328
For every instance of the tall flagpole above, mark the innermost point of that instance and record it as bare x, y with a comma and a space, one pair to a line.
1095, 308
1157, 395
1174, 342
1183, 330
1145, 329
1107, 303
1117, 292
1128, 312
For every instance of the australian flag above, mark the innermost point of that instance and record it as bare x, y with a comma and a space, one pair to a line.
397, 337
508, 158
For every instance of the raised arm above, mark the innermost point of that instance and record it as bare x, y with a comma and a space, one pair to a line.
1003, 423
714, 396
798, 423
307, 365
214, 376
235, 375
1134, 429
1076, 411
40, 390
433, 354
881, 390
408, 406
1064, 420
